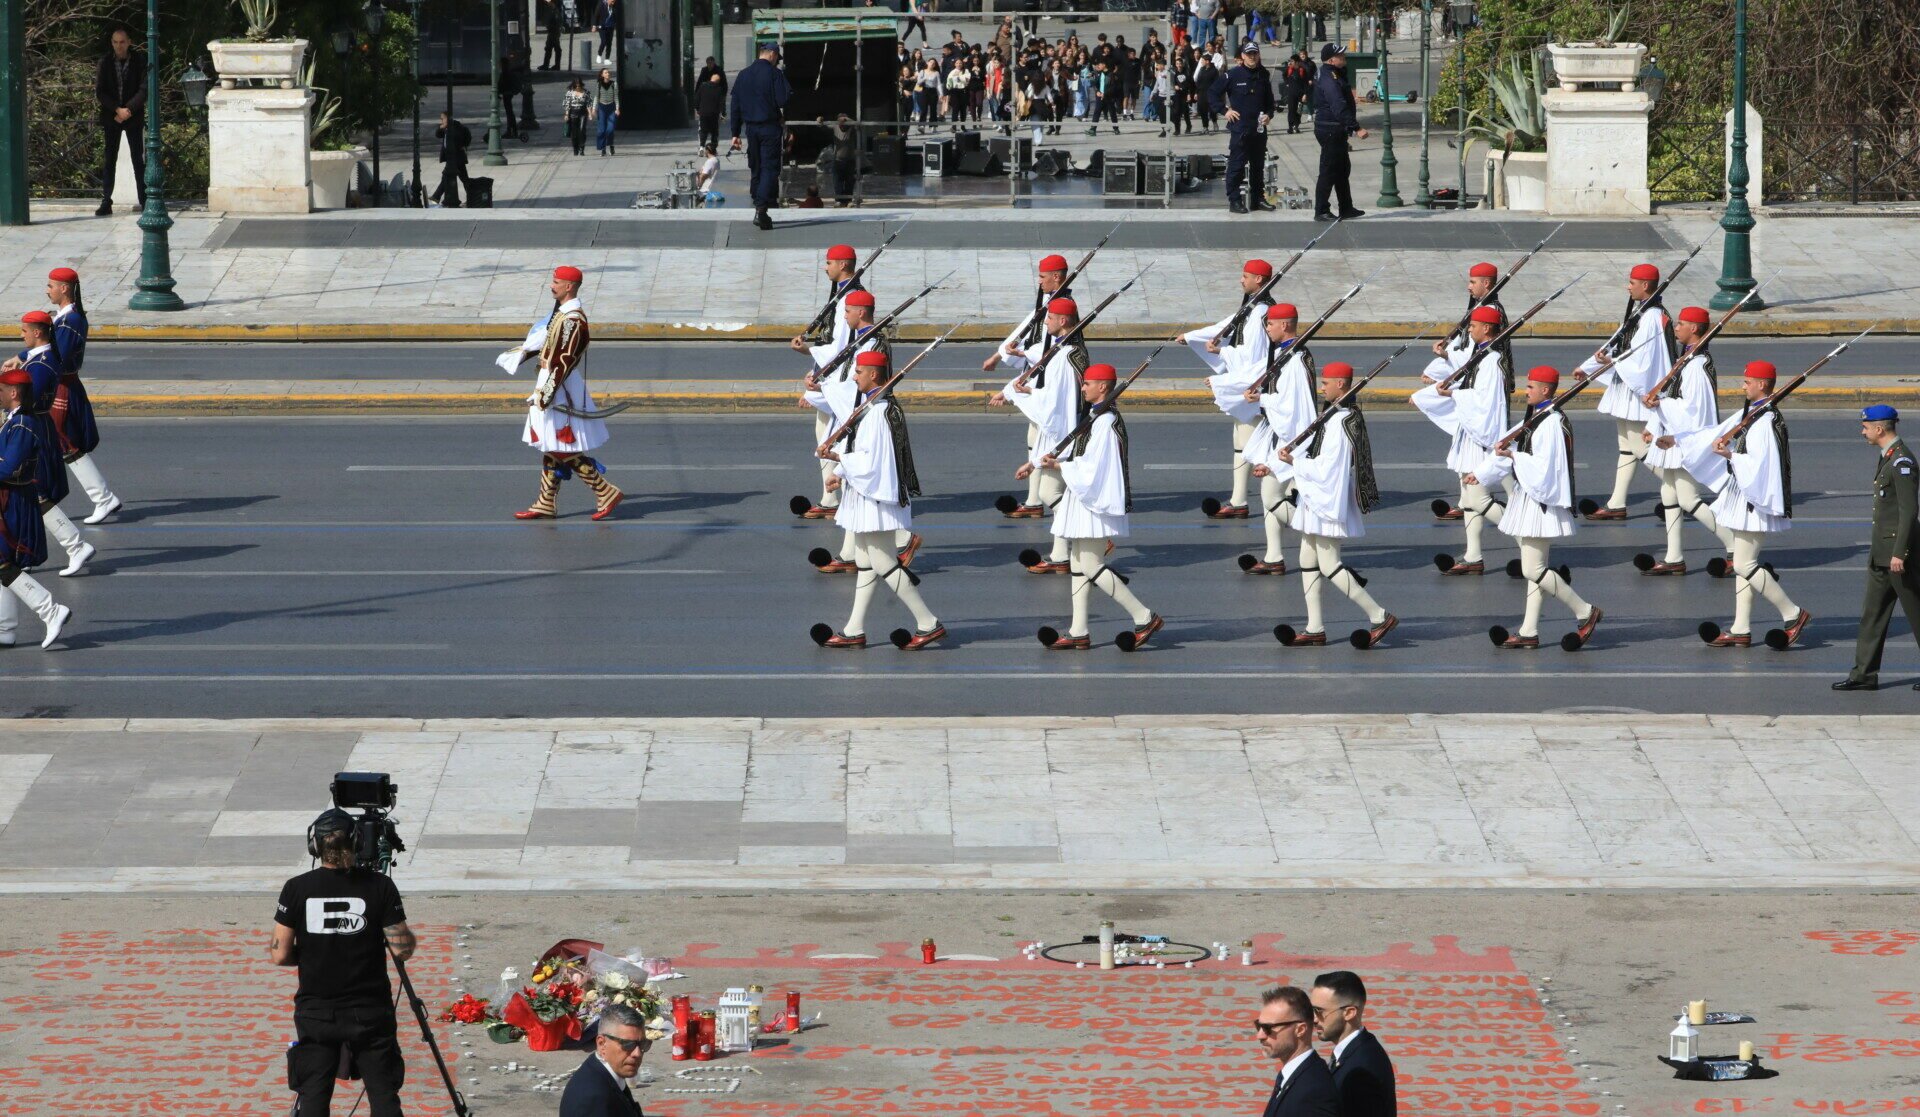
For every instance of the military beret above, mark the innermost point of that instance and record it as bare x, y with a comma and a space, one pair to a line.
18, 377
1337, 370
1488, 314
1100, 372
1761, 370
1696, 314
37, 318
1544, 374
1066, 307
1483, 271
1648, 272
1258, 267
871, 358
64, 275
1879, 413
860, 298
841, 252
1053, 263
568, 272
1280, 311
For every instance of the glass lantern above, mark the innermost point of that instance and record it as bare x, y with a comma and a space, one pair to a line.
736, 1027
1683, 1043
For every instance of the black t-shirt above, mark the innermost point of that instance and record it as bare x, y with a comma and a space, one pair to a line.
339, 917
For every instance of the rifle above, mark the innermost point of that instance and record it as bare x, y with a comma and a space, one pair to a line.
1239, 318
1300, 342
853, 344
1657, 291
822, 319
846, 428
1534, 419
1107, 404
1351, 393
1513, 327
1088, 258
1697, 346
1055, 343
1494, 292
1772, 402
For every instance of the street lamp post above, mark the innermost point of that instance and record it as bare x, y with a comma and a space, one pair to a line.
415, 197
495, 157
376, 24
1389, 176
1736, 251
1462, 15
1424, 199
156, 275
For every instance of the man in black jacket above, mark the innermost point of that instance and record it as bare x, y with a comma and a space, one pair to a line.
1297, 82
1362, 1073
600, 1087
454, 139
1304, 1087
1244, 96
1333, 122
120, 87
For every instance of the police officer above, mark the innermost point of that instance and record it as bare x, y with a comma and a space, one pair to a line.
759, 95
1245, 93
1891, 561
1333, 122
337, 923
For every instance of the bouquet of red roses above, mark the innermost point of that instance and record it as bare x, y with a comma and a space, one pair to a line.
470, 1010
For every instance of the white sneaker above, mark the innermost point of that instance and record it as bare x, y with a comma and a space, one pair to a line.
102, 511
78, 560
61, 615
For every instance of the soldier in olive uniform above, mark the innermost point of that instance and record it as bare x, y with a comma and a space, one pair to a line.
1891, 572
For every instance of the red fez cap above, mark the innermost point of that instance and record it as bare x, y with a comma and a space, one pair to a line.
1489, 314
1100, 372
1053, 263
37, 318
1483, 270
18, 377
1648, 272
1337, 370
860, 298
1544, 374
840, 252
1761, 370
871, 358
1696, 314
1278, 311
1064, 306
64, 275
568, 272
1258, 267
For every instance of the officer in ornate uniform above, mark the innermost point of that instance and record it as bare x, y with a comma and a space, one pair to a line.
41, 364
822, 340
23, 539
72, 410
1891, 561
561, 420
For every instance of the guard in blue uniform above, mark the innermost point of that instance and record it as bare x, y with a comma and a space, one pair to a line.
23, 539
759, 95
72, 410
1893, 553
1334, 119
1244, 95
40, 364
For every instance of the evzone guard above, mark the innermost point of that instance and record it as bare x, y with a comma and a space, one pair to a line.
41, 364
1636, 356
1281, 397
1092, 513
562, 422
1538, 455
1452, 351
1467, 397
1755, 501
1030, 337
874, 476
1047, 390
1334, 486
72, 411
1684, 406
830, 332
834, 393
23, 539
1235, 349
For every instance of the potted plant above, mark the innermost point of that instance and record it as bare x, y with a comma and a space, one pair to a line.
258, 56
334, 158
1517, 125
1603, 63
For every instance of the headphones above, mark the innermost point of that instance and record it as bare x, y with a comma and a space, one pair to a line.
332, 821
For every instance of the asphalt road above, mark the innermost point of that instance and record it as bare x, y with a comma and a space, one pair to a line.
732, 360
364, 566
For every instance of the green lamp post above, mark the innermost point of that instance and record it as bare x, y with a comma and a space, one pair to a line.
1736, 251
1389, 175
1424, 199
495, 157
156, 275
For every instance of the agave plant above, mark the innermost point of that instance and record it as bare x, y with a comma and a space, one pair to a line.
326, 111
260, 16
1616, 26
1518, 119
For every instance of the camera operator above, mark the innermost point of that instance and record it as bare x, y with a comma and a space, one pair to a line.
336, 923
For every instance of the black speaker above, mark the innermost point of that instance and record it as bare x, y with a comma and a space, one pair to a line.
887, 150
1154, 171
964, 142
1096, 161
1120, 173
982, 163
1017, 150
1052, 161
938, 158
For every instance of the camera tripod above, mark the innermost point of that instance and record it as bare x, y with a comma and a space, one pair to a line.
426, 1033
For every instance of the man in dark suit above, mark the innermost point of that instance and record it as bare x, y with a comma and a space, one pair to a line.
454, 139
120, 87
600, 1087
1362, 1073
1304, 1086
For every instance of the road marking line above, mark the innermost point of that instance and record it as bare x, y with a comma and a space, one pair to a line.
272, 647
1330, 675
662, 573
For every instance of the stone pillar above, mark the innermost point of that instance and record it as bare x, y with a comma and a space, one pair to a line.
1754, 144
257, 147
1597, 131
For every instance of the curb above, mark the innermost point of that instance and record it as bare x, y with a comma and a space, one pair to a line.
971, 330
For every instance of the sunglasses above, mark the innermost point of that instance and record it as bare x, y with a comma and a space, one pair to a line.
1267, 1029
629, 1045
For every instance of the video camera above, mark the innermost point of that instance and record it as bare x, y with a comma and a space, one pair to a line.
373, 795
